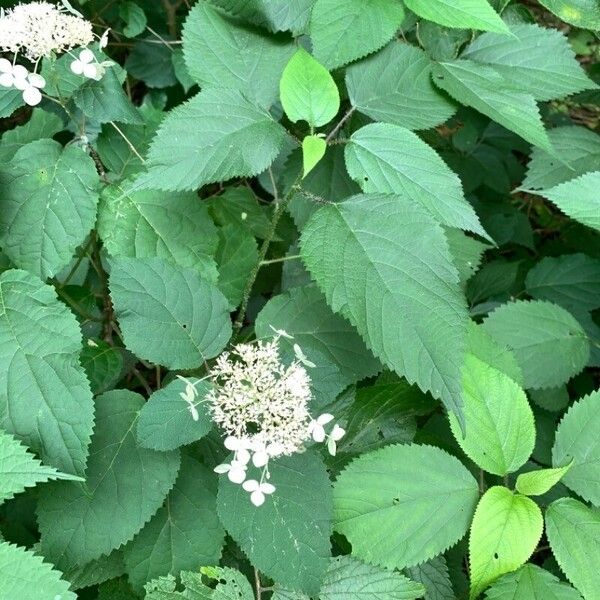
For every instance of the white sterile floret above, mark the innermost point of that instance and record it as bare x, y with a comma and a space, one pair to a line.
85, 65
258, 491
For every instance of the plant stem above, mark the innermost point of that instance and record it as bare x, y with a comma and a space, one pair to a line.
334, 131
257, 584
278, 260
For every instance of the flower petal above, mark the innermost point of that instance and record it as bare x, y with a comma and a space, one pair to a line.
236, 475
325, 418
267, 488
36, 80
242, 456
257, 498
90, 71
260, 459
224, 468
318, 433
231, 443
32, 96
5, 66
251, 485
86, 56
77, 67
337, 433
6, 79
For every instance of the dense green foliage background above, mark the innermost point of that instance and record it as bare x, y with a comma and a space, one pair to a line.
410, 189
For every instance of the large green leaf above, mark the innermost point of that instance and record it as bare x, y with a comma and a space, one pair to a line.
45, 397
47, 205
390, 159
577, 440
344, 30
232, 138
404, 504
394, 279
184, 534
287, 538
307, 91
221, 52
169, 315
499, 426
505, 531
582, 13
25, 576
573, 531
531, 583
468, 14
548, 343
533, 59
484, 89
125, 485
394, 86
578, 198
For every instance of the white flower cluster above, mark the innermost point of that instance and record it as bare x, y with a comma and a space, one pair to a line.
262, 405
20, 78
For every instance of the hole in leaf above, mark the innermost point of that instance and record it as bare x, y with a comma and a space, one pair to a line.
495, 555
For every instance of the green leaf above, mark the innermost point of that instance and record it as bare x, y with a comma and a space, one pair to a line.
577, 441
403, 302
307, 91
221, 52
499, 425
48, 205
579, 151
287, 538
578, 198
45, 398
536, 483
125, 485
174, 226
344, 30
348, 578
232, 138
573, 531
134, 17
384, 504
485, 90
548, 343
25, 576
433, 574
303, 313
168, 315
19, 469
103, 365
394, 86
467, 253
10, 100
166, 421
313, 150
151, 63
534, 60
468, 14
582, 13
390, 159
531, 583
184, 534
97, 571
239, 207
506, 530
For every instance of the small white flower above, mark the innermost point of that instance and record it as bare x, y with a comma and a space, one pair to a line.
104, 39
282, 333
85, 65
260, 457
236, 471
302, 357
316, 429
258, 491
31, 93
338, 433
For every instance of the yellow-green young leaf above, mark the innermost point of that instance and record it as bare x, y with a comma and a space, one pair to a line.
536, 483
578, 440
307, 91
499, 426
505, 531
582, 13
573, 530
313, 150
466, 14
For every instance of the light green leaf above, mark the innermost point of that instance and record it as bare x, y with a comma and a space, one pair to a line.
390, 159
232, 138
506, 530
394, 86
304, 314
125, 485
166, 421
25, 575
433, 574
45, 397
384, 504
531, 583
48, 205
307, 91
536, 483
582, 13
348, 578
221, 52
535, 60
573, 531
184, 534
287, 538
548, 343
499, 425
402, 302
313, 150
19, 469
168, 315
578, 198
344, 30
577, 441
485, 90
468, 14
